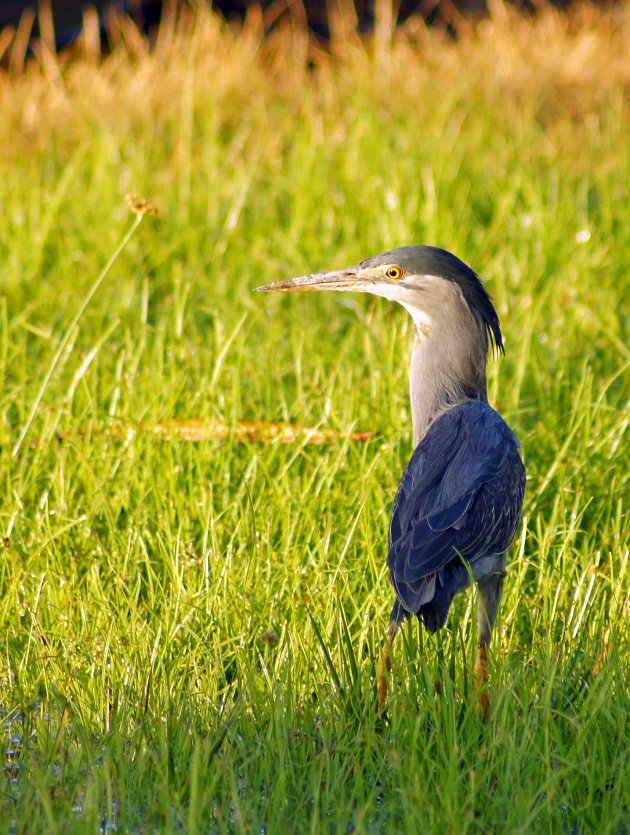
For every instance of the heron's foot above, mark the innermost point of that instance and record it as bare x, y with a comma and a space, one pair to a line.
382, 692
481, 681
385, 668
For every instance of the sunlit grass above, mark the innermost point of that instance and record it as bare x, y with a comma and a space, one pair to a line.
191, 629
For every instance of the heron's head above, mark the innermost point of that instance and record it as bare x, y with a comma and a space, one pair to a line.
432, 284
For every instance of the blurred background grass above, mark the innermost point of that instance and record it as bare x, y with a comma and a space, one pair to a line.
190, 629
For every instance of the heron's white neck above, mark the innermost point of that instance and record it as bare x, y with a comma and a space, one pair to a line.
448, 360
448, 366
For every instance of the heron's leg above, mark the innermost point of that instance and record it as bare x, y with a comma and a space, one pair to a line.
385, 666
490, 589
396, 619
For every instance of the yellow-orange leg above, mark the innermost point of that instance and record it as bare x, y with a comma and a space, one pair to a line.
385, 666
481, 680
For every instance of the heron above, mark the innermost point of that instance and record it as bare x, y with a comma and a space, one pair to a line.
459, 502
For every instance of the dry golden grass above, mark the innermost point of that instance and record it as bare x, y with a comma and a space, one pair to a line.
550, 67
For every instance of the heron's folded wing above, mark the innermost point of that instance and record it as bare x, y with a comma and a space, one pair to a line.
460, 494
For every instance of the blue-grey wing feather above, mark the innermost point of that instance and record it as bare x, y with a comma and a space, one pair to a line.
460, 497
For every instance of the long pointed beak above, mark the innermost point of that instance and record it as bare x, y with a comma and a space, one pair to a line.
348, 279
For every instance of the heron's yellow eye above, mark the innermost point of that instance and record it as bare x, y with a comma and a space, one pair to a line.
393, 272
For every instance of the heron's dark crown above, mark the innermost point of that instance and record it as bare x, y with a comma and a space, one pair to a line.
430, 260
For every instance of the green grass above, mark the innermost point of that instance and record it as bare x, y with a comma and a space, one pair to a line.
143, 581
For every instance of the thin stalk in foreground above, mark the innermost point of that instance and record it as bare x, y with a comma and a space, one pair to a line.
70, 329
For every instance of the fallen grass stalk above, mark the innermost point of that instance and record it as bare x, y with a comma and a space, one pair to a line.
197, 430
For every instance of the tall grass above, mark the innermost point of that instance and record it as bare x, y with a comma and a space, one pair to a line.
190, 630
